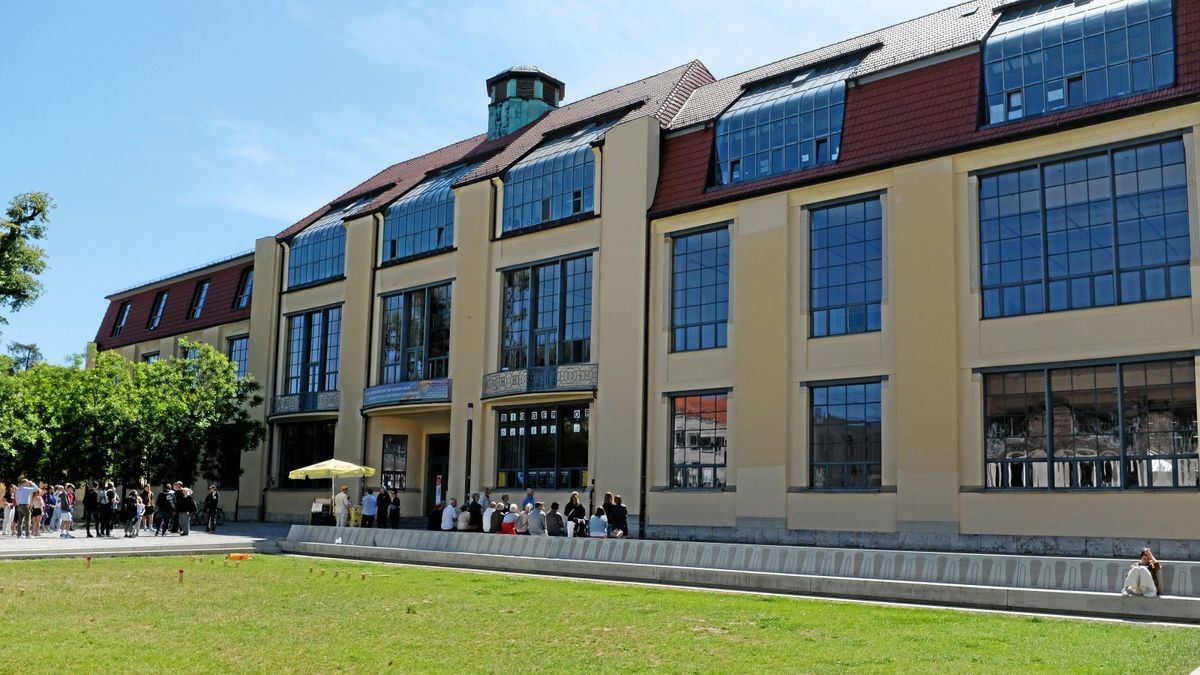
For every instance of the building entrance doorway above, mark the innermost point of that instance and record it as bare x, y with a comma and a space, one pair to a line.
437, 461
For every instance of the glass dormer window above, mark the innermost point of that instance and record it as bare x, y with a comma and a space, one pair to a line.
554, 182
784, 125
319, 252
1060, 54
422, 221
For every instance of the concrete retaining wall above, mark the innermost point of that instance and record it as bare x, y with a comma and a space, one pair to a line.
1099, 575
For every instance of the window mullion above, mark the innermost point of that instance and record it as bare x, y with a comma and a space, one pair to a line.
1041, 168
1048, 392
425, 332
531, 315
1121, 422
1116, 250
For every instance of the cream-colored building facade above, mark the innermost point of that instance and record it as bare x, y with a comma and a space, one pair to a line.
929, 355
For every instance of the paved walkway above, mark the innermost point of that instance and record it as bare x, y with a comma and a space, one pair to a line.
233, 537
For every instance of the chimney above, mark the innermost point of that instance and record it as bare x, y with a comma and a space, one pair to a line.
519, 96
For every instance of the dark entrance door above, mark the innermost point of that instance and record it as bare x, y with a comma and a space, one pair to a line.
437, 461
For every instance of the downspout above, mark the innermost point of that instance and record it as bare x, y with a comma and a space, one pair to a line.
378, 225
645, 383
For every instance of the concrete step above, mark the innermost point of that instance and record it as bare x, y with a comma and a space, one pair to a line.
921, 592
1096, 575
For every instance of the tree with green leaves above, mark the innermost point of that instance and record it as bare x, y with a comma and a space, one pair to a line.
25, 355
176, 419
22, 260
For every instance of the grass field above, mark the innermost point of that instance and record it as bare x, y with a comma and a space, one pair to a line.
275, 613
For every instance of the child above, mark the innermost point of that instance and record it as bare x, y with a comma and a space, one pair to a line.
65, 519
140, 511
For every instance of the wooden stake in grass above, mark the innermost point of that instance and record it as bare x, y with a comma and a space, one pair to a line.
89, 562
180, 576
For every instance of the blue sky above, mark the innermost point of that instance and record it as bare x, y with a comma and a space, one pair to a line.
171, 134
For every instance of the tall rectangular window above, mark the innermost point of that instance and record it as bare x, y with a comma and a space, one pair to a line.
845, 436
547, 314
244, 289
786, 124
198, 297
150, 357
846, 267
156, 311
700, 290
393, 474
313, 342
422, 221
556, 181
122, 317
699, 440
1061, 54
416, 335
302, 444
1105, 228
545, 447
1116, 425
239, 353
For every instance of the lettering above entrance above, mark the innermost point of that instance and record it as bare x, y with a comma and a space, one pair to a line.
395, 393
572, 377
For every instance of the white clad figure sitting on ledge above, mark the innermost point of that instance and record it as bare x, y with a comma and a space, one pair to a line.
1142, 578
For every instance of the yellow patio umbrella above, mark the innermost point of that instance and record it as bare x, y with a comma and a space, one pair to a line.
331, 468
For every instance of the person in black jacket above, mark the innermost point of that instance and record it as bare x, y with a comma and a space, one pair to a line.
394, 511
618, 518
178, 501
212, 502
89, 508
383, 502
576, 515
164, 511
108, 509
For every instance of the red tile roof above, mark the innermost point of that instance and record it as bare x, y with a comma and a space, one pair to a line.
660, 95
931, 111
218, 305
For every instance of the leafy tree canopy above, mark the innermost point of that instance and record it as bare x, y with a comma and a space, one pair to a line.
21, 260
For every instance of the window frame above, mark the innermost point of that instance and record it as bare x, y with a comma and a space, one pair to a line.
400, 475
721, 326
120, 319
523, 479
562, 355
157, 310
724, 486
1049, 461
1039, 163
811, 431
199, 297
403, 349
306, 350
878, 196
245, 288
243, 365
150, 357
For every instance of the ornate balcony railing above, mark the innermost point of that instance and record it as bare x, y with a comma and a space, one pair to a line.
317, 401
395, 393
572, 377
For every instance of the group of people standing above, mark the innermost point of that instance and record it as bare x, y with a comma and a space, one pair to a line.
503, 516
31, 510
382, 511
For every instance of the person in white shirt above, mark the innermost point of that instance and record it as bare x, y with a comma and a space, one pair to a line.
341, 506
598, 525
450, 515
487, 515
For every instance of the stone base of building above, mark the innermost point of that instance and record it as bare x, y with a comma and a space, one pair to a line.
1088, 547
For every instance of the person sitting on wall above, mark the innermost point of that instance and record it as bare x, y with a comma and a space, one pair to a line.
463, 522
555, 525
450, 515
487, 517
523, 519
435, 516
476, 511
598, 525
1143, 576
509, 524
497, 518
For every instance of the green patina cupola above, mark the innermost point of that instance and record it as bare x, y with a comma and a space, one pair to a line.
520, 95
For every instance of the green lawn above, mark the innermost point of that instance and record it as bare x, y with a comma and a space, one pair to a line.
273, 614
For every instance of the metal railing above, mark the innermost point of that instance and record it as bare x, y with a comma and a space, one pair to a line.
419, 391
316, 401
571, 377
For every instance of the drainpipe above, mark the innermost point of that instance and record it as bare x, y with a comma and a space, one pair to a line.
378, 224
470, 430
645, 383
